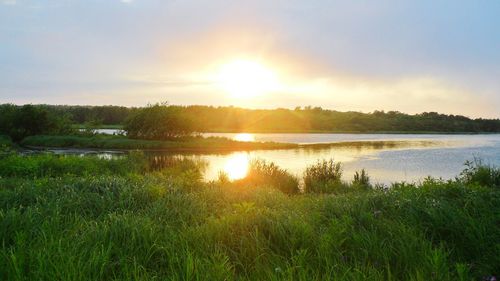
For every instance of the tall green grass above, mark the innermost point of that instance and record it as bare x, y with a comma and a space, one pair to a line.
48, 165
161, 223
478, 173
262, 173
323, 177
123, 142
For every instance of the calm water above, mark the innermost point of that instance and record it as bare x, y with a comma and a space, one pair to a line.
417, 157
438, 155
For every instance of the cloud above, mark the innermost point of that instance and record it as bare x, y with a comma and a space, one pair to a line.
346, 55
9, 2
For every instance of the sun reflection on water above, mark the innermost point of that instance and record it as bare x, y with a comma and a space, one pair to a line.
236, 166
244, 137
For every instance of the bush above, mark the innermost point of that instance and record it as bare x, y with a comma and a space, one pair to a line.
476, 172
21, 121
361, 179
158, 122
263, 173
5, 144
323, 176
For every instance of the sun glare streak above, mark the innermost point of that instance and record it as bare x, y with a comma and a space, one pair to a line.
247, 78
244, 137
236, 166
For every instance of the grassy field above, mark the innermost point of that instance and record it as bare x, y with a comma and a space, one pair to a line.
74, 218
122, 142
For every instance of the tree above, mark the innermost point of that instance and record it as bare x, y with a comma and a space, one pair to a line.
21, 121
159, 122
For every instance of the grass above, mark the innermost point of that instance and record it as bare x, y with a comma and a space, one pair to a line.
196, 144
107, 220
122, 142
102, 126
323, 176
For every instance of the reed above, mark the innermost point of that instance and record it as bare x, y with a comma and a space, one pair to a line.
106, 220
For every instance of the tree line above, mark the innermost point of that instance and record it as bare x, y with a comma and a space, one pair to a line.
162, 121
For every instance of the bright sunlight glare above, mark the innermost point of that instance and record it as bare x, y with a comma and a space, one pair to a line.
244, 137
247, 78
236, 166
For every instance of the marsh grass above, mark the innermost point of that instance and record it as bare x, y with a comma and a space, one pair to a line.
162, 224
476, 172
323, 177
195, 143
262, 173
361, 179
48, 165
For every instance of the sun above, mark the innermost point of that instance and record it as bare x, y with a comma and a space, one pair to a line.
243, 78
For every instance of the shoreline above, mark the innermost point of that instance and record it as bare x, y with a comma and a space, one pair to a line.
233, 146
222, 131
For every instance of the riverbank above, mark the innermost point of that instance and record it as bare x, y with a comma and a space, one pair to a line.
200, 144
224, 130
85, 218
124, 143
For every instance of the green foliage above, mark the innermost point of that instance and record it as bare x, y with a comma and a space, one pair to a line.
81, 114
476, 172
262, 173
90, 127
158, 122
323, 177
159, 223
49, 165
6, 143
301, 119
361, 179
19, 122
123, 142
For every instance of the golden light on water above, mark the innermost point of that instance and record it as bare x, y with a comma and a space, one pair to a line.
243, 78
244, 137
236, 166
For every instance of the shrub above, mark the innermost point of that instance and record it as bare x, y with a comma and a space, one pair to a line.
21, 121
361, 179
5, 144
323, 176
267, 173
158, 122
476, 172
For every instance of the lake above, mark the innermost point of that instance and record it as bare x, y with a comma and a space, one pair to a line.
417, 157
414, 158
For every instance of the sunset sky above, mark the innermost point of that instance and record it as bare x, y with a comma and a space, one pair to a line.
410, 56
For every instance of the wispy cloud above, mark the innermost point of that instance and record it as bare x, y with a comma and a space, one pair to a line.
413, 56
